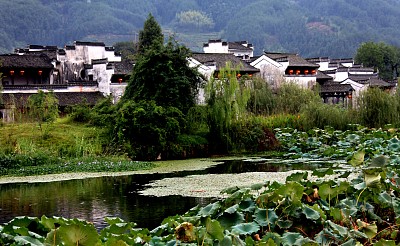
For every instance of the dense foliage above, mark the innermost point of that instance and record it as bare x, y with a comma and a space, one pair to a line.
323, 28
380, 56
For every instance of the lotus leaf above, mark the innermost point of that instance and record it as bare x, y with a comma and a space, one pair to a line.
284, 224
247, 205
341, 230
78, 234
228, 220
227, 241
25, 240
293, 238
232, 209
379, 161
372, 180
209, 210
357, 159
297, 177
369, 229
321, 172
310, 213
265, 217
245, 228
214, 230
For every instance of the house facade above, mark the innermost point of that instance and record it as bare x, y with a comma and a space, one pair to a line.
82, 72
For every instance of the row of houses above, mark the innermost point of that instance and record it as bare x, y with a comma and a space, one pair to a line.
89, 71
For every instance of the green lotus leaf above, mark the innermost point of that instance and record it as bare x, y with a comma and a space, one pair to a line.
78, 234
227, 220
214, 229
245, 228
297, 177
384, 242
321, 172
265, 217
385, 198
353, 138
394, 140
118, 228
209, 210
284, 224
357, 159
247, 205
341, 230
113, 220
230, 190
26, 240
351, 242
232, 209
379, 161
358, 234
236, 240
360, 186
275, 237
372, 180
345, 174
325, 191
310, 213
370, 229
336, 214
292, 190
325, 237
115, 242
258, 186
294, 238
227, 241
53, 222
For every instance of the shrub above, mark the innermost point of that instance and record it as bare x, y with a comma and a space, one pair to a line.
377, 108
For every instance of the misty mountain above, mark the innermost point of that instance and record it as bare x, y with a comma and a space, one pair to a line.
332, 28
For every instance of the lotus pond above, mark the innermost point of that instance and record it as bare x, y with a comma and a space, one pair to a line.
308, 208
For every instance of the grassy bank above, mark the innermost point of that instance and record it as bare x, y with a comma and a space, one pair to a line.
62, 147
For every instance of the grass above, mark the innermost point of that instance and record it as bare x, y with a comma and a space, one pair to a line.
66, 147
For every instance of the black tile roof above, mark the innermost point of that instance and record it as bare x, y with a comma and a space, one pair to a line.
294, 59
335, 87
89, 43
238, 46
64, 98
25, 61
123, 67
221, 59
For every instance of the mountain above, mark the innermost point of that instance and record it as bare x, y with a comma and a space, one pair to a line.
332, 28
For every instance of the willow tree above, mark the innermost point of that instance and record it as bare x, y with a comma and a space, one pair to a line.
227, 99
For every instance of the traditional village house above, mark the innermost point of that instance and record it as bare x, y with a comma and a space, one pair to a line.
291, 67
241, 49
209, 65
80, 73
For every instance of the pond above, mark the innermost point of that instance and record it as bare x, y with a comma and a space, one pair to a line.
93, 199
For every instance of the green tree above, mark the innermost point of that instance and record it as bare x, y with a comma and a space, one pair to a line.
227, 98
43, 107
163, 75
127, 49
147, 130
194, 20
382, 57
150, 36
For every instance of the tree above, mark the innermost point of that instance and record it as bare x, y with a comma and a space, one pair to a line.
194, 20
151, 36
382, 57
163, 75
43, 107
127, 49
226, 98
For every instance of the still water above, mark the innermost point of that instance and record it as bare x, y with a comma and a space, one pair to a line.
94, 199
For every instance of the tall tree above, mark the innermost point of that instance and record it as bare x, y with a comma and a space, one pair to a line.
150, 36
163, 75
382, 57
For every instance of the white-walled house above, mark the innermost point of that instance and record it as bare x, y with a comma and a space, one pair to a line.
241, 49
290, 67
80, 73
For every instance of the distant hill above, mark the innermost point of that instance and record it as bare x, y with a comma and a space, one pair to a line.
332, 28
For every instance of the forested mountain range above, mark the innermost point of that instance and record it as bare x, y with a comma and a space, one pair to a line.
311, 28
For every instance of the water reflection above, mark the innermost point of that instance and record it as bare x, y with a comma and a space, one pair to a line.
96, 198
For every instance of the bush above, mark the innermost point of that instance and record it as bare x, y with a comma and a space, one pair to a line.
320, 115
377, 108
